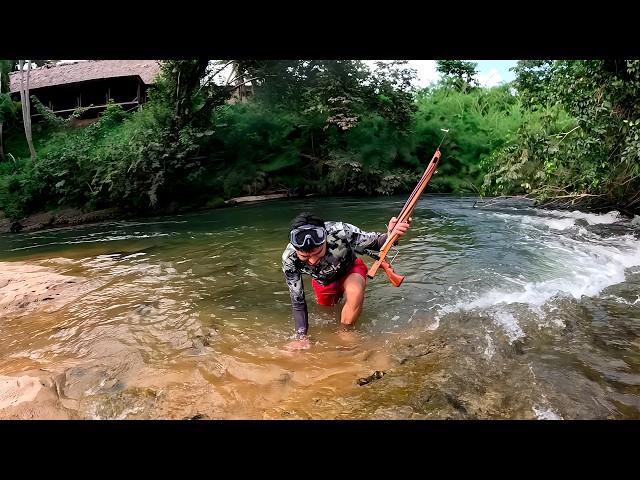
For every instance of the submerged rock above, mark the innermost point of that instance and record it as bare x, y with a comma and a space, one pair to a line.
374, 376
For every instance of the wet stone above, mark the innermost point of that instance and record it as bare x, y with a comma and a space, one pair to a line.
374, 376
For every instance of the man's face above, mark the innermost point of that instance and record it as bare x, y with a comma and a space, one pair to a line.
313, 256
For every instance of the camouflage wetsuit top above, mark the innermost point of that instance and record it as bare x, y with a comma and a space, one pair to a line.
343, 241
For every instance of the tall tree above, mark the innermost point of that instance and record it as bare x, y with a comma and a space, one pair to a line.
460, 73
187, 86
26, 106
5, 99
532, 81
394, 93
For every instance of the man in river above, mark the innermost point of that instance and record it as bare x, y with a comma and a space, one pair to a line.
327, 252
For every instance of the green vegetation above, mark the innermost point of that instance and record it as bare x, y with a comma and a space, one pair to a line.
564, 131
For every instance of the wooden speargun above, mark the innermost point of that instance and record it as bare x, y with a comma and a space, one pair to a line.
404, 216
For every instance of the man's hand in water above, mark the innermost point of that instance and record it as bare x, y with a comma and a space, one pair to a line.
301, 343
399, 228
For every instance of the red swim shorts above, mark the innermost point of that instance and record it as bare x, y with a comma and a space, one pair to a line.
330, 294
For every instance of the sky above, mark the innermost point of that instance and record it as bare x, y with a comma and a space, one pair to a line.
490, 72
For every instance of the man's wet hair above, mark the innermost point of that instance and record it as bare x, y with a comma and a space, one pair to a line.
306, 218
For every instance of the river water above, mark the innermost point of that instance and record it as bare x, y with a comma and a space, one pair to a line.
507, 311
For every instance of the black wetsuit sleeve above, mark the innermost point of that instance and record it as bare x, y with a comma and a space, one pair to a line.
293, 279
